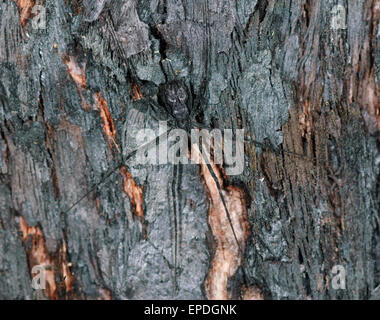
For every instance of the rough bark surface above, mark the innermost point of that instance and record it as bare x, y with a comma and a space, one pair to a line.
73, 96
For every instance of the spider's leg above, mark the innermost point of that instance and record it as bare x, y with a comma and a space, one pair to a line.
218, 186
157, 111
3, 98
110, 172
93, 188
263, 145
196, 124
131, 73
270, 147
206, 56
177, 223
215, 142
111, 28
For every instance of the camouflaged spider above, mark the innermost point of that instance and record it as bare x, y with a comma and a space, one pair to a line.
173, 96
180, 107
181, 111
176, 101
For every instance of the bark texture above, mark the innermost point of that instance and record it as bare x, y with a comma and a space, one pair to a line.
74, 94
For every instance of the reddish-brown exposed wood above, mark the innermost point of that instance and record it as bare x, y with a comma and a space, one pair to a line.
108, 125
286, 72
25, 7
104, 294
137, 95
228, 254
68, 276
362, 84
305, 120
251, 293
78, 74
60, 279
39, 256
134, 193
55, 266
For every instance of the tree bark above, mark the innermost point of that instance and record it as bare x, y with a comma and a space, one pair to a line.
301, 77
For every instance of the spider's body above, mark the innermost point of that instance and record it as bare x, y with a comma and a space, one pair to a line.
173, 96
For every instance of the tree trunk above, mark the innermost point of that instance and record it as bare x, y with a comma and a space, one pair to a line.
76, 86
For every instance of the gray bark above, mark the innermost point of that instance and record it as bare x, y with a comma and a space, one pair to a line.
278, 69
